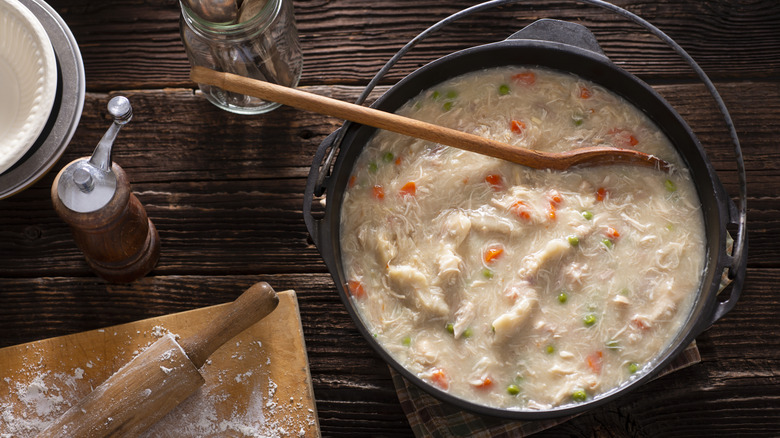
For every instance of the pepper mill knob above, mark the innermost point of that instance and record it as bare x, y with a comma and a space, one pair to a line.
110, 226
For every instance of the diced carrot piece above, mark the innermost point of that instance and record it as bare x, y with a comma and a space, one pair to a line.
440, 379
623, 138
356, 289
495, 181
484, 383
551, 212
517, 126
527, 78
352, 180
492, 253
554, 197
585, 93
379, 192
613, 233
398, 161
521, 210
594, 361
409, 189
601, 194
639, 323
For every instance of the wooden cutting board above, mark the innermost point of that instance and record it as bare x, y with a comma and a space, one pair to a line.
258, 384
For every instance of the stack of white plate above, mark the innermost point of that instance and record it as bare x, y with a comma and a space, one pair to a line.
41, 91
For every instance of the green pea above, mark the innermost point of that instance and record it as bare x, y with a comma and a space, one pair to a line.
608, 243
613, 344
579, 395
589, 319
513, 389
577, 120
447, 106
406, 341
587, 215
550, 349
670, 185
487, 273
452, 94
372, 167
633, 367
468, 333
573, 240
450, 328
388, 157
435, 95
562, 297
503, 89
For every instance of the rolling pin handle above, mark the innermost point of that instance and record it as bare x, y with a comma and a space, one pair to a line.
252, 306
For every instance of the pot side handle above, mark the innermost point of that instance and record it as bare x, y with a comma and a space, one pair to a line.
735, 266
559, 31
315, 185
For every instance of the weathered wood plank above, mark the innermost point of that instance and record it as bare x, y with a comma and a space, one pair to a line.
137, 44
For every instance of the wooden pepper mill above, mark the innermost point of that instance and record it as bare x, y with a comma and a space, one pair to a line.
109, 224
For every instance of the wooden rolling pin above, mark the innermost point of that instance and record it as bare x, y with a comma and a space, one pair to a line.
159, 378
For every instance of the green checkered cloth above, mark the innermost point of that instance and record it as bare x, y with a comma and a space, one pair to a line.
429, 417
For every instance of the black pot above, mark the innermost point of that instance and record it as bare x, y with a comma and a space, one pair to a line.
565, 47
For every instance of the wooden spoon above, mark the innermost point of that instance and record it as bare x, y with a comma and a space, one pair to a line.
587, 156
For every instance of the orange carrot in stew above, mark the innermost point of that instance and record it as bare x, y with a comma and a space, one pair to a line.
484, 383
601, 194
526, 78
517, 126
585, 93
521, 210
551, 211
554, 197
613, 233
356, 289
594, 361
623, 138
640, 323
409, 189
440, 379
352, 180
378, 192
495, 181
492, 253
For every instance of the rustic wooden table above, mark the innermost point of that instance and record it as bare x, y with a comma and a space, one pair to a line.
226, 193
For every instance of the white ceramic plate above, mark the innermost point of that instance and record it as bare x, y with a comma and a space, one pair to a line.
28, 81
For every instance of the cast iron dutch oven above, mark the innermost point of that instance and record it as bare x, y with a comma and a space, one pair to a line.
565, 47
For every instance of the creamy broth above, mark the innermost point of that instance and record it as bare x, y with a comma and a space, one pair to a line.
512, 287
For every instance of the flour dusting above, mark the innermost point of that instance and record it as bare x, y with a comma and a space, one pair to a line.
38, 397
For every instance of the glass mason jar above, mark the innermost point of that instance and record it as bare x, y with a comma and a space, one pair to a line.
262, 46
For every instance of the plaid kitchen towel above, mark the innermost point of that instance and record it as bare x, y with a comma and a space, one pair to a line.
429, 417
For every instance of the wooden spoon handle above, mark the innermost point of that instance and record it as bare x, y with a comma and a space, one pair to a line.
364, 115
252, 306
418, 129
